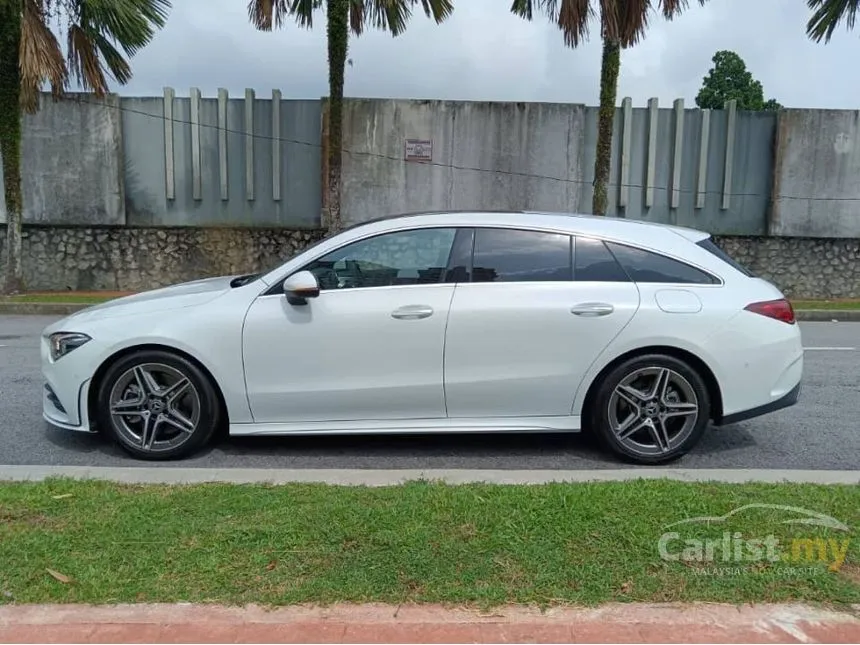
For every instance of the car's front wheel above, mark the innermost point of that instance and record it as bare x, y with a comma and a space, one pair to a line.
651, 409
157, 405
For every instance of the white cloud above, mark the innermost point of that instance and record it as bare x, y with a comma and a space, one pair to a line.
484, 53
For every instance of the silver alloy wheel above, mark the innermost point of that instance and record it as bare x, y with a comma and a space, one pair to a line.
155, 407
653, 410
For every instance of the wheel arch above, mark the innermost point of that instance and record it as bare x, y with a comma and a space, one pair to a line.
704, 370
101, 371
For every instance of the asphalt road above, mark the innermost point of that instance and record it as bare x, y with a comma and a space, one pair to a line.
821, 432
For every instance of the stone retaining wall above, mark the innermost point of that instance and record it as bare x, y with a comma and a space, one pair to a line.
133, 259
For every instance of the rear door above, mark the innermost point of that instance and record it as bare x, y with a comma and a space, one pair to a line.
522, 331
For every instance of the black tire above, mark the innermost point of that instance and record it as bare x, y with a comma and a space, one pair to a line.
690, 382
204, 399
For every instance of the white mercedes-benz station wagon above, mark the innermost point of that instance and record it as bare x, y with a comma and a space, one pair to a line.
440, 322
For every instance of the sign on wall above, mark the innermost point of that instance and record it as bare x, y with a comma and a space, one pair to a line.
419, 150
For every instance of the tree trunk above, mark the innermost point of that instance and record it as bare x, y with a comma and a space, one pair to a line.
337, 13
10, 140
609, 68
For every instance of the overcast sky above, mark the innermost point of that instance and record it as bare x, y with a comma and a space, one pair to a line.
484, 53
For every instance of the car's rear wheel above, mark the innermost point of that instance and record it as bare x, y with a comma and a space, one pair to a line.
651, 409
158, 405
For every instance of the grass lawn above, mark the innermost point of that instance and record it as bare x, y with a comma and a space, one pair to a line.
61, 298
826, 304
480, 545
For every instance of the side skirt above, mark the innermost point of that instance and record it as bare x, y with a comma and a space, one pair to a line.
411, 426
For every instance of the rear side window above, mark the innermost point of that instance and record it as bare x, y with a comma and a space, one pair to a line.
509, 255
711, 246
594, 263
645, 266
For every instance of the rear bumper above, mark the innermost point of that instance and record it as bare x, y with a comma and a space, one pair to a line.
785, 401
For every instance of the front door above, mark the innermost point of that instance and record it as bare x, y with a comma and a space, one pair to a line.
369, 347
522, 331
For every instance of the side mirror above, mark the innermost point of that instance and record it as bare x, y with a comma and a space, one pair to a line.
301, 286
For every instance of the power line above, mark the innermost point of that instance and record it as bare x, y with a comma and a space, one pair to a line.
400, 160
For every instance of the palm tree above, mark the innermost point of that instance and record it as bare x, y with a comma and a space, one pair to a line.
342, 17
826, 16
100, 34
622, 24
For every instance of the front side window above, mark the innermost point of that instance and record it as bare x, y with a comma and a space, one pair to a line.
644, 266
509, 255
392, 259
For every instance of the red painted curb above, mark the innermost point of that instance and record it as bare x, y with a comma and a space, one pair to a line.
618, 623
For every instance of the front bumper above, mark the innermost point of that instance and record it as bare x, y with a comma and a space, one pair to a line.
66, 388
71, 415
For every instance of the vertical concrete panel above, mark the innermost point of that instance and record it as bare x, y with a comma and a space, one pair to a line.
678, 152
626, 136
196, 178
731, 108
816, 192
72, 161
169, 168
276, 145
249, 144
651, 170
704, 142
223, 176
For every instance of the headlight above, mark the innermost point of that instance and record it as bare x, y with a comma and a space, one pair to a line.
64, 342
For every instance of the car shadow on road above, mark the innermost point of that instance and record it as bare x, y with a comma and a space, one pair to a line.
459, 451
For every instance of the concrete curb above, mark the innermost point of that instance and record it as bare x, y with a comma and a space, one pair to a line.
67, 309
367, 477
430, 623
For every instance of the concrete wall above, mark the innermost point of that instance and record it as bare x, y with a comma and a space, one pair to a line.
817, 174
72, 160
531, 153
256, 162
126, 258
541, 156
211, 172
173, 161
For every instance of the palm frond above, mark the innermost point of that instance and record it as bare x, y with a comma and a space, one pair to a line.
84, 61
118, 67
40, 56
393, 15
826, 16
438, 10
267, 15
131, 24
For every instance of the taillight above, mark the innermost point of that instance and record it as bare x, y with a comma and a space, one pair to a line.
776, 309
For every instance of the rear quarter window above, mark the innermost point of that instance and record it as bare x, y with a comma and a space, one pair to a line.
712, 247
645, 266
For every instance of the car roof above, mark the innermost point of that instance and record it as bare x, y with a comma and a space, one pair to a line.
574, 223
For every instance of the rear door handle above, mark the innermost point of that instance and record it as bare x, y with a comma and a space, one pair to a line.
592, 309
412, 312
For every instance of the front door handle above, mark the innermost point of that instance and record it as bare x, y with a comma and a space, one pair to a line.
412, 312
592, 309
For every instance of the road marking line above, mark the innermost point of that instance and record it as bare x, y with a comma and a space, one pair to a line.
830, 349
